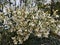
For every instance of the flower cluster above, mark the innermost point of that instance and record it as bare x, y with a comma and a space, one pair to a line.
26, 21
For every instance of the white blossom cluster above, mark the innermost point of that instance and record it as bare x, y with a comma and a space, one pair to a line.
29, 20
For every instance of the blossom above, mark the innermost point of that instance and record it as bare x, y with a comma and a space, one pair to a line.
29, 20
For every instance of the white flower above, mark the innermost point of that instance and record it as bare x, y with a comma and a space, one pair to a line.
59, 33
25, 30
20, 30
18, 12
20, 41
39, 23
31, 24
13, 38
36, 17
14, 11
15, 42
26, 12
5, 21
57, 15
46, 34
52, 20
39, 35
58, 25
25, 38
33, 17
